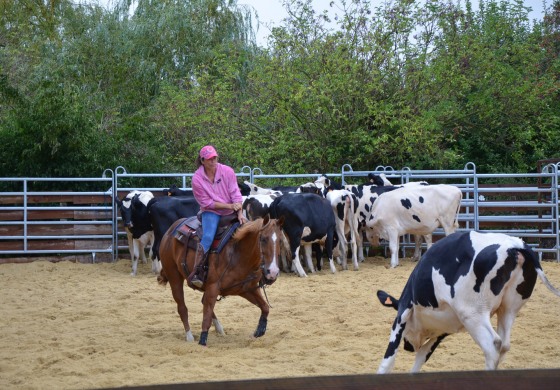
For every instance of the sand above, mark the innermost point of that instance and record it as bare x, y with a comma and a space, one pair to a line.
72, 326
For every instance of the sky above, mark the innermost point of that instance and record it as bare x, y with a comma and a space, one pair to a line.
271, 12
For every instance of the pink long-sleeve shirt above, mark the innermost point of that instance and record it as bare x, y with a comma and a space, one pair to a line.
224, 189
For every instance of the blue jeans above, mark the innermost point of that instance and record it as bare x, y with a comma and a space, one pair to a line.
210, 223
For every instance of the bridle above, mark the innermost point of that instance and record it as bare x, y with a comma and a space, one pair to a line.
263, 281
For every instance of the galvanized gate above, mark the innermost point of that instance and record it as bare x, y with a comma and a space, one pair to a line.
65, 221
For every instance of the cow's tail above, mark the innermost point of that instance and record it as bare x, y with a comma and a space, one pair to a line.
387, 300
528, 253
349, 207
456, 223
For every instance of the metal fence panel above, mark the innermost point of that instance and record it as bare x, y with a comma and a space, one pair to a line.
519, 204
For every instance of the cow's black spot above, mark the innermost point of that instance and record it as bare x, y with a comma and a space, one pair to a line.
525, 288
483, 264
408, 346
451, 257
406, 203
438, 341
340, 211
421, 199
504, 273
416, 218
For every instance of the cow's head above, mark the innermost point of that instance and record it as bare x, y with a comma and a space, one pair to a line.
125, 207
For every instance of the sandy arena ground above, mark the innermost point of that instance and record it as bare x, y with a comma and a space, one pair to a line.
73, 326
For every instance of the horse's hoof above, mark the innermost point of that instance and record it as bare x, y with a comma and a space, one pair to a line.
203, 338
189, 337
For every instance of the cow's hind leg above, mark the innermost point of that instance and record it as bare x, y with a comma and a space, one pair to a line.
506, 318
307, 254
481, 330
296, 264
135, 256
425, 351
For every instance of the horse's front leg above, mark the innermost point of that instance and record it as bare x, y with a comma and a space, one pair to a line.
208, 301
256, 298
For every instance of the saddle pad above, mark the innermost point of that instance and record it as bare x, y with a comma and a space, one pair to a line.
189, 232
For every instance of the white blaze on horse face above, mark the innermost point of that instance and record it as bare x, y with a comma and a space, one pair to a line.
273, 269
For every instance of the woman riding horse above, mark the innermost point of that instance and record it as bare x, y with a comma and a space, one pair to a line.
216, 191
248, 261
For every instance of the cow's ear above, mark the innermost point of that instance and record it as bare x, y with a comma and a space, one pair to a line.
136, 200
387, 300
118, 201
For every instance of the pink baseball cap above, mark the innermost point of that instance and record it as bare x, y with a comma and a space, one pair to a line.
208, 151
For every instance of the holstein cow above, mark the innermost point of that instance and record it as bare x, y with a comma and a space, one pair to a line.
366, 195
417, 209
173, 190
139, 232
256, 190
343, 204
257, 206
458, 285
308, 218
165, 210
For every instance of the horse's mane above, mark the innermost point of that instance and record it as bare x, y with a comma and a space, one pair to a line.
247, 228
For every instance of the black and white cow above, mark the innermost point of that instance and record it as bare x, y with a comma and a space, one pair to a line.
139, 232
173, 190
343, 204
416, 208
308, 218
458, 285
165, 210
256, 206
366, 195
256, 190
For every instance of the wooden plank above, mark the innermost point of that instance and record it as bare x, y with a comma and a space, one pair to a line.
43, 215
54, 245
462, 380
35, 200
54, 230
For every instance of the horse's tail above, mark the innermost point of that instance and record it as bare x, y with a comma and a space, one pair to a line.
162, 279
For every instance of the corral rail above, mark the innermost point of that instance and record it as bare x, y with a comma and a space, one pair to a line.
76, 219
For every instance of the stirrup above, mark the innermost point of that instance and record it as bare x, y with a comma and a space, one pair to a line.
195, 281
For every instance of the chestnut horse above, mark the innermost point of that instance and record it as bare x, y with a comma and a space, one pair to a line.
248, 261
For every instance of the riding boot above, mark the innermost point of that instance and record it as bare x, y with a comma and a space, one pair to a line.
198, 276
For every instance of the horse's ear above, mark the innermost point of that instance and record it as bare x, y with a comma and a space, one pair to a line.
266, 219
281, 221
